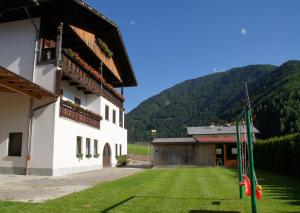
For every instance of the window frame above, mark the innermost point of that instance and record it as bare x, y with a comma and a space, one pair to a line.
116, 150
107, 112
114, 116
96, 152
78, 147
121, 118
88, 146
15, 151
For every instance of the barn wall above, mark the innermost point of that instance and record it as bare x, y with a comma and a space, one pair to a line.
184, 154
165, 155
206, 155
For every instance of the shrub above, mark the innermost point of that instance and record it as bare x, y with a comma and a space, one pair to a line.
122, 160
279, 154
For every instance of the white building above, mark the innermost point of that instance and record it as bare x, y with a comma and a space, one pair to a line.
61, 88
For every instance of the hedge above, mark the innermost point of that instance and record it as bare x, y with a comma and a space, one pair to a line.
279, 154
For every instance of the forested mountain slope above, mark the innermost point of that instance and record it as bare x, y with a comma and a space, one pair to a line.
219, 98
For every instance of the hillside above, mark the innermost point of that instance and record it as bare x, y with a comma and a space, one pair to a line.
219, 98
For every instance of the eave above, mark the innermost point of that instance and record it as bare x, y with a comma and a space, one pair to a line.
11, 82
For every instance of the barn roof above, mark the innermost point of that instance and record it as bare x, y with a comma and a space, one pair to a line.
214, 130
216, 139
174, 140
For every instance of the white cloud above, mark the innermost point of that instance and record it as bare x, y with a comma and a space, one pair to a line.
219, 70
132, 22
243, 31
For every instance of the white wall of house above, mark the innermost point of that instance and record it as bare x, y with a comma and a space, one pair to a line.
112, 131
67, 131
14, 114
17, 42
45, 76
42, 141
69, 93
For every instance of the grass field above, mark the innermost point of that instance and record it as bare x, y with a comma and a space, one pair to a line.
137, 149
173, 190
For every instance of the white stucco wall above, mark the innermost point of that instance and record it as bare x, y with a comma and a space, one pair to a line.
71, 92
112, 131
14, 113
66, 132
17, 42
45, 76
42, 138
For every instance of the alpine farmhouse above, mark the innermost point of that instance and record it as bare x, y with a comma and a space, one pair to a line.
63, 70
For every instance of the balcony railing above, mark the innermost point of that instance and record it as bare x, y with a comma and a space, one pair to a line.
90, 80
78, 114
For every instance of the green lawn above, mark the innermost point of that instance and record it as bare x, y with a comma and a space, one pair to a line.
137, 149
172, 190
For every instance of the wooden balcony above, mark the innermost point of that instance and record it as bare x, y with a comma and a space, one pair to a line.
89, 81
79, 114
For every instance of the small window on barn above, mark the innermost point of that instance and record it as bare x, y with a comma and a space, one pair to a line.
120, 149
15, 144
231, 151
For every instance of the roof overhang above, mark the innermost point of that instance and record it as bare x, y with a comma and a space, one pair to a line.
216, 140
11, 82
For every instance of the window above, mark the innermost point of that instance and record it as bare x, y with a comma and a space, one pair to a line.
121, 118
120, 149
77, 101
48, 50
79, 147
231, 151
88, 147
106, 112
114, 116
15, 144
95, 147
116, 149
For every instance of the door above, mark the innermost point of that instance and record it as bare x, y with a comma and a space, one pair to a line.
219, 155
106, 156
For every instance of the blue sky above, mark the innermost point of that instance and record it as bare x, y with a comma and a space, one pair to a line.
170, 41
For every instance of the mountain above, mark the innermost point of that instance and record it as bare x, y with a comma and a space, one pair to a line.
219, 98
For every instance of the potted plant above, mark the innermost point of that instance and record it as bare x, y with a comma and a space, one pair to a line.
88, 155
80, 156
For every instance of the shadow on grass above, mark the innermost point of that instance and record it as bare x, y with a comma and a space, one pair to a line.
211, 211
214, 202
280, 187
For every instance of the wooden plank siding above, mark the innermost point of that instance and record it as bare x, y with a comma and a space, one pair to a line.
184, 154
90, 40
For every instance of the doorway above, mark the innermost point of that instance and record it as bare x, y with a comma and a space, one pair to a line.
106, 156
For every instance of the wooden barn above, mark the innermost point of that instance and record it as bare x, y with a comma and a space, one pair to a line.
206, 146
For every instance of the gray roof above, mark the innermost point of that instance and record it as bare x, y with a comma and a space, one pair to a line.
212, 130
174, 140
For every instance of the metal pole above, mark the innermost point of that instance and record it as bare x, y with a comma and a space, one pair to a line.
250, 152
239, 159
148, 154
